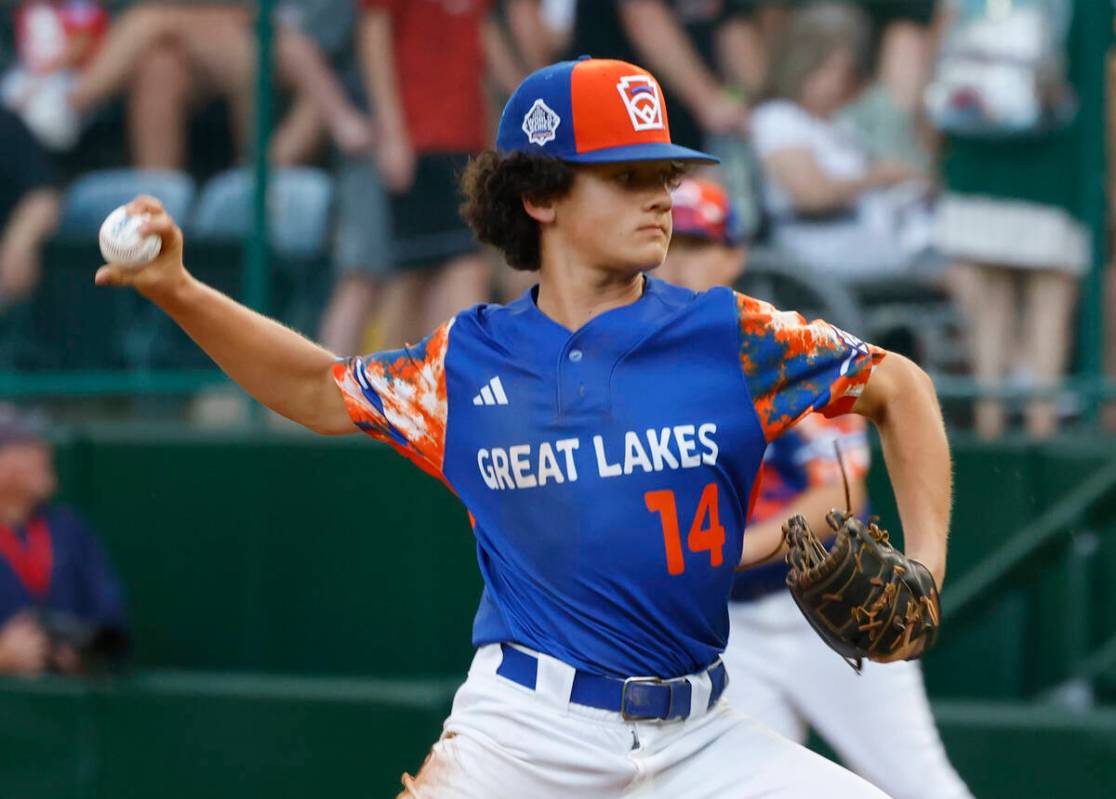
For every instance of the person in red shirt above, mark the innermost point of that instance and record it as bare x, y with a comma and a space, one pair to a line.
54, 41
61, 603
424, 65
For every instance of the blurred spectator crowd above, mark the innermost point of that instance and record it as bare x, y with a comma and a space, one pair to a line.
905, 168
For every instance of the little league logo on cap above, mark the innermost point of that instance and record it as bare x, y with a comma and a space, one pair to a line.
540, 123
641, 97
592, 110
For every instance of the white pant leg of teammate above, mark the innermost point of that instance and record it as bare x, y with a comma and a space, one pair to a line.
504, 741
879, 722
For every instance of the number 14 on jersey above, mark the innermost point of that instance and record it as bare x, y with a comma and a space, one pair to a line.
706, 533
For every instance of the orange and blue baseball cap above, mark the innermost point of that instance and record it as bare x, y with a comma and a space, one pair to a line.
591, 111
702, 209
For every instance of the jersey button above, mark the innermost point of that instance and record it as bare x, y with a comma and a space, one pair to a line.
575, 355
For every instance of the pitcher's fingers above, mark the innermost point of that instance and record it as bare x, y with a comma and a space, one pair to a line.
164, 227
160, 224
145, 204
110, 275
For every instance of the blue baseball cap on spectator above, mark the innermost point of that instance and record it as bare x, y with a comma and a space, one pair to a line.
591, 111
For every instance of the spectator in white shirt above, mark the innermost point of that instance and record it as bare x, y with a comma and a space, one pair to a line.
828, 205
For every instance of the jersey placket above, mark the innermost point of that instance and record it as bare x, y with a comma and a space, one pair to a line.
584, 366
589, 357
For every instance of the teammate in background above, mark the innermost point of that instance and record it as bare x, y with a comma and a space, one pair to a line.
706, 247
61, 606
604, 431
783, 674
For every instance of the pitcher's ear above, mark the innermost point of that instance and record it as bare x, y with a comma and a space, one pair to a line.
542, 211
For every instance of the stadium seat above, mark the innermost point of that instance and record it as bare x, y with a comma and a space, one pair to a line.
299, 201
91, 197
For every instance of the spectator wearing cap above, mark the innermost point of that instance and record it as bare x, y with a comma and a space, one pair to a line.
706, 248
61, 605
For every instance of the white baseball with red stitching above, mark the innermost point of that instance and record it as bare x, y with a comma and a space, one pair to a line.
120, 240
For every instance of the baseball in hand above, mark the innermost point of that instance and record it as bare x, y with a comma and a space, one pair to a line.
121, 242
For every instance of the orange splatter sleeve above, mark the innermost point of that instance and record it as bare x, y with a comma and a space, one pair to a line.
400, 397
794, 367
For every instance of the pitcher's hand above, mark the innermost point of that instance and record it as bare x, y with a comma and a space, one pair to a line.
166, 272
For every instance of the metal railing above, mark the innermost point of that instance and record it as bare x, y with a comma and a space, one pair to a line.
1070, 524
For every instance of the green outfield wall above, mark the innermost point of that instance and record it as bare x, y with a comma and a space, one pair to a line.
190, 735
186, 735
286, 554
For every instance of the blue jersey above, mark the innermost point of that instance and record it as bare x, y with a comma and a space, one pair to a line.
607, 471
801, 459
53, 562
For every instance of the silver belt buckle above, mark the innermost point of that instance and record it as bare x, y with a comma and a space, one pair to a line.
649, 681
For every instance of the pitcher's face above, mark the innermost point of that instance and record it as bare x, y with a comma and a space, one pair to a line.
617, 216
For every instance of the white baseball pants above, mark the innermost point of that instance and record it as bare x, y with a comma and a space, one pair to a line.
505, 741
879, 723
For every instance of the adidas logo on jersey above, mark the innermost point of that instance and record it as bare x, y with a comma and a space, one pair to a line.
492, 394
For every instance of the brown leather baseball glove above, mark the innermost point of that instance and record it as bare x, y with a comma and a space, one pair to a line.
864, 597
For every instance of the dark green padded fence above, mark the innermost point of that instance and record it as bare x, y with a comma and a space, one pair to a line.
1019, 643
1012, 751
194, 735
288, 554
177, 735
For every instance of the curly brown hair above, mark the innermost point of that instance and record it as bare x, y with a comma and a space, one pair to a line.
494, 185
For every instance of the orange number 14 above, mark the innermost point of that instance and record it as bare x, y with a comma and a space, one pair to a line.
706, 532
